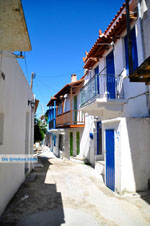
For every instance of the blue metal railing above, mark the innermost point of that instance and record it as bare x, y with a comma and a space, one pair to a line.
89, 91
102, 86
52, 116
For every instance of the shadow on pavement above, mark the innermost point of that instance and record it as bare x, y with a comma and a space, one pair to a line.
145, 195
53, 217
36, 202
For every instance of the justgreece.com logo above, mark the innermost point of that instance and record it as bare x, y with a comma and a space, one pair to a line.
9, 158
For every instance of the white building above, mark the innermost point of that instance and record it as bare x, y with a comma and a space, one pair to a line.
119, 108
16, 113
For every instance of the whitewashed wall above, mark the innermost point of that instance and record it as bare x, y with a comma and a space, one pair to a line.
87, 150
132, 153
14, 95
135, 158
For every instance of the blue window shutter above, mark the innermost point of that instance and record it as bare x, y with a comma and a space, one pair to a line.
110, 75
126, 54
134, 51
96, 71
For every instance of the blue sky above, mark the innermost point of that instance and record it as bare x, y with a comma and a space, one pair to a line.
60, 33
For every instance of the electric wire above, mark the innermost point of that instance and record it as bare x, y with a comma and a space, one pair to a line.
41, 97
44, 99
61, 75
46, 85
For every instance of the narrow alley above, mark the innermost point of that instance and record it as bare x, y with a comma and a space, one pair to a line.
62, 192
75, 113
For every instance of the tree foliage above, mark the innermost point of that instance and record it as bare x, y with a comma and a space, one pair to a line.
39, 130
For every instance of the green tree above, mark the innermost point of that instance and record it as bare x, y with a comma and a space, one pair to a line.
39, 130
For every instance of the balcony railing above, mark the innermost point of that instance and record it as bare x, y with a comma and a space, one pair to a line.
101, 86
74, 117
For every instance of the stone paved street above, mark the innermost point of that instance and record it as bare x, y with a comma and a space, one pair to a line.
70, 193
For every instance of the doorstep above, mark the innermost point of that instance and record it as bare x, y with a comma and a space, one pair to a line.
99, 167
76, 159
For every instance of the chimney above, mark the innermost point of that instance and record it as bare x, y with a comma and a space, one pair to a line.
73, 78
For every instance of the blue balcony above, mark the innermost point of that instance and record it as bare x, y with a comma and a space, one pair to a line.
52, 117
103, 96
72, 119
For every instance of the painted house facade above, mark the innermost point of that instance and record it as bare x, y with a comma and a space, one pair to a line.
66, 121
16, 112
119, 107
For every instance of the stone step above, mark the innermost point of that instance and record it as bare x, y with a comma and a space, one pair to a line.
77, 159
99, 167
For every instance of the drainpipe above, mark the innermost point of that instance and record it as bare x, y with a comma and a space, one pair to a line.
129, 38
0, 63
148, 99
144, 54
141, 28
54, 114
71, 103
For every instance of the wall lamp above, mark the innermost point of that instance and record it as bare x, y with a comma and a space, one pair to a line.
32, 103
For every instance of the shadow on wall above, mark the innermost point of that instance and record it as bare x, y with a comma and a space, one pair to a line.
139, 142
84, 145
36, 202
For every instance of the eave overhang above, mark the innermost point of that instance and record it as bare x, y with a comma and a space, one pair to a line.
142, 73
110, 36
13, 29
65, 90
103, 43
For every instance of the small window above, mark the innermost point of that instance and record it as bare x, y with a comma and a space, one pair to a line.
59, 109
1, 128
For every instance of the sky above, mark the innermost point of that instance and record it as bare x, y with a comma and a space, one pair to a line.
61, 31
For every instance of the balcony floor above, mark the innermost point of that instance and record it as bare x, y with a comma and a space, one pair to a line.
56, 131
71, 126
104, 108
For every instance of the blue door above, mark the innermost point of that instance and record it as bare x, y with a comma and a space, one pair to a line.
110, 159
110, 75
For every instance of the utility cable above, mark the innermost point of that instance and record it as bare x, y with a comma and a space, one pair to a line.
55, 90
56, 76
40, 92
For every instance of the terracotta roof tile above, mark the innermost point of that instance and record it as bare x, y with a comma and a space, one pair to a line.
117, 25
64, 90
